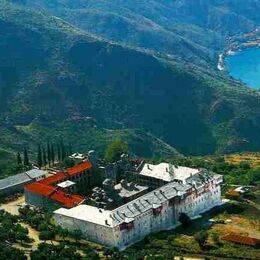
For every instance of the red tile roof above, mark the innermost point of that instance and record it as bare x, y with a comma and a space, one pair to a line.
79, 168
45, 187
52, 179
250, 241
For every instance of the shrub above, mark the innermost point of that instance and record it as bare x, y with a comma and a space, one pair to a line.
201, 237
215, 238
185, 220
115, 150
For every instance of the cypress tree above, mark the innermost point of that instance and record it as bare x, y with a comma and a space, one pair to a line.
49, 157
52, 153
25, 157
44, 159
58, 152
19, 159
63, 150
70, 148
39, 156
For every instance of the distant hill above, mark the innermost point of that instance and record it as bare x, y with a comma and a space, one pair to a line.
59, 80
193, 30
43, 95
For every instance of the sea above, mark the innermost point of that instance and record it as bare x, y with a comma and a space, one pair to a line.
244, 65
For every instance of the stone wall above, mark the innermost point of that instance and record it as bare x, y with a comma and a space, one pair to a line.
90, 231
39, 201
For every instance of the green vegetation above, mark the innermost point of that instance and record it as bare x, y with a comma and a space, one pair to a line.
52, 252
38, 220
185, 220
69, 245
8, 164
57, 80
216, 239
201, 238
115, 150
26, 161
19, 158
8, 252
196, 237
51, 154
90, 91
240, 174
161, 25
11, 231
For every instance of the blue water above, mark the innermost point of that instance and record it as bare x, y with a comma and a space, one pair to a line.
245, 66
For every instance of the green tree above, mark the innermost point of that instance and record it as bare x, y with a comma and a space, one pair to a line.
9, 252
215, 238
62, 232
47, 235
19, 158
52, 153
245, 165
46, 251
91, 253
39, 156
201, 238
21, 233
67, 163
254, 176
62, 149
25, 157
115, 150
70, 149
44, 158
2, 198
49, 153
76, 235
58, 151
185, 220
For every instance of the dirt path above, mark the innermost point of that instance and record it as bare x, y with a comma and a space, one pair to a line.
13, 206
34, 234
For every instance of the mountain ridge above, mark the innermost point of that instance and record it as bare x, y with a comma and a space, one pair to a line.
191, 30
68, 74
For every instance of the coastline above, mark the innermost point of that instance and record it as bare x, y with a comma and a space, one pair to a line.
237, 44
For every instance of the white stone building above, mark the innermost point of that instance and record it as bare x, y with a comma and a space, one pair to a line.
190, 191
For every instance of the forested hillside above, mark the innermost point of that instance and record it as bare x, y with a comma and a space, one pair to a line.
59, 80
194, 30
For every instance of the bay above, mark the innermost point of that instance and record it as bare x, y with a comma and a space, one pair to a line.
245, 66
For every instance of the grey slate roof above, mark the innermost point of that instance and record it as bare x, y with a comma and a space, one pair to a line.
21, 178
149, 201
152, 199
35, 173
200, 179
128, 192
129, 211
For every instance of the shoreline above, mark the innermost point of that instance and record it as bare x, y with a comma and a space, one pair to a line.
222, 57
237, 44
